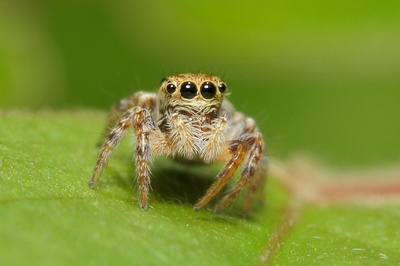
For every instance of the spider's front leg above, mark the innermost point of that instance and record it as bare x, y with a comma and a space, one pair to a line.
238, 150
141, 98
251, 147
143, 125
253, 173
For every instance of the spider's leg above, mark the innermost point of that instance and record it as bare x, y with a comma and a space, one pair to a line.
143, 126
110, 144
256, 187
140, 98
238, 150
255, 147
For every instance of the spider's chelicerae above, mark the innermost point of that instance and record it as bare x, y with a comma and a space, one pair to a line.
189, 119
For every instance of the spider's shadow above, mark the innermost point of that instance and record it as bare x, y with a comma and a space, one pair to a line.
173, 181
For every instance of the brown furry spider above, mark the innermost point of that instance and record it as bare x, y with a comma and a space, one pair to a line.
189, 119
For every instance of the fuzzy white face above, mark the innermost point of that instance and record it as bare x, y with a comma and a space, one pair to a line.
193, 93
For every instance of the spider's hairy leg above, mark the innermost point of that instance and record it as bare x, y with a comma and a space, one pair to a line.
256, 187
250, 173
117, 110
110, 144
238, 150
139, 98
137, 111
143, 126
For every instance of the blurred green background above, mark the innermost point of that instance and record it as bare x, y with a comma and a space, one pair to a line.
321, 77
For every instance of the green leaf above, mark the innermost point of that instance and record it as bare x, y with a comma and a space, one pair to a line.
344, 235
48, 214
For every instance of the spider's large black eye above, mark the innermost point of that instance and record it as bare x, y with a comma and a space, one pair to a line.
171, 88
188, 90
208, 90
222, 87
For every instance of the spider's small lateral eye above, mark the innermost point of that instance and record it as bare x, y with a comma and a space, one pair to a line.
171, 88
208, 90
188, 90
222, 87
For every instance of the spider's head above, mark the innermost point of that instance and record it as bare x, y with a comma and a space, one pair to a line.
193, 93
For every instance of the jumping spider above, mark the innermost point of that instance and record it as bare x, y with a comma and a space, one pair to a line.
189, 119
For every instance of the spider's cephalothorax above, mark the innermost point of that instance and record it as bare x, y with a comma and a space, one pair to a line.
189, 119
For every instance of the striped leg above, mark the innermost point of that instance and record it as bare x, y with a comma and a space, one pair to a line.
238, 151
